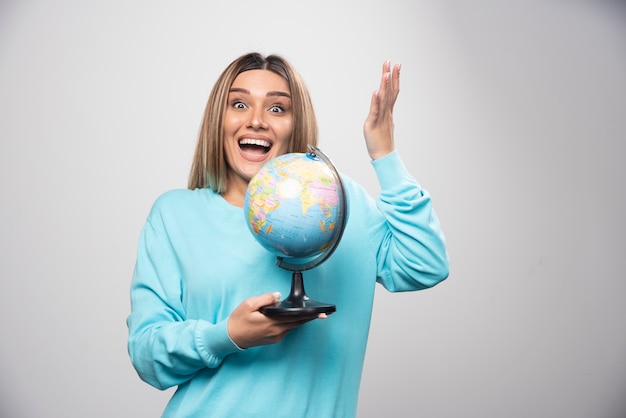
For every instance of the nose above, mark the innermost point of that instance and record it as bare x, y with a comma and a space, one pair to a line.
257, 118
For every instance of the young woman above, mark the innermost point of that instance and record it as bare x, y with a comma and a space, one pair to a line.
201, 278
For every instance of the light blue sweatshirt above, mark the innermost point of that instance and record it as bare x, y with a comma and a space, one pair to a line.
197, 261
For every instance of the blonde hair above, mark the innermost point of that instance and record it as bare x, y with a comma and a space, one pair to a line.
209, 167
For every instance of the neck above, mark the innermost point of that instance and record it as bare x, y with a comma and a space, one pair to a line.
235, 191
235, 199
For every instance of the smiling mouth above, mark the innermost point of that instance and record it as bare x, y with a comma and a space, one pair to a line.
255, 146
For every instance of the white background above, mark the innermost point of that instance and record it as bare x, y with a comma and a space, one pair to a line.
512, 114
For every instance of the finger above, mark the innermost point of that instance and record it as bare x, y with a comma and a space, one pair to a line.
257, 302
390, 87
396, 77
394, 84
386, 66
374, 107
385, 92
384, 77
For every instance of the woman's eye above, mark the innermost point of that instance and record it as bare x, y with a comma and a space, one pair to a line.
239, 105
277, 109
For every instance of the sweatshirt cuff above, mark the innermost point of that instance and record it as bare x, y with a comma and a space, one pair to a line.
390, 170
214, 343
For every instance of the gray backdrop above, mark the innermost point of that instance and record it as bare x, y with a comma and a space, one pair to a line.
512, 114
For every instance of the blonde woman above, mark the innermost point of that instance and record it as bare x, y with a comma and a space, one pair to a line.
201, 278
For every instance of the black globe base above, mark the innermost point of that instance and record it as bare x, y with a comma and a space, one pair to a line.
297, 303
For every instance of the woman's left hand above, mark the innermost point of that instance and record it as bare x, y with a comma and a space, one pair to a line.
378, 126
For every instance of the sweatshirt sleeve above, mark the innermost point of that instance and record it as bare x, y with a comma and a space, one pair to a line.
412, 254
165, 347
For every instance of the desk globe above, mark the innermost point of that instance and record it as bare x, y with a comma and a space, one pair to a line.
295, 207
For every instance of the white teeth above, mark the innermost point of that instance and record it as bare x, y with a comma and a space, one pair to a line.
259, 142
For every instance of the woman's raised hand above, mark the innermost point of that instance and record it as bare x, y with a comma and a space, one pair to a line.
378, 126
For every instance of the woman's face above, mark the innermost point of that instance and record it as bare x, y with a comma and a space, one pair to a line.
257, 123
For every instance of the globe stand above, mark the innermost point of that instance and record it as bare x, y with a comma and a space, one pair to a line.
298, 303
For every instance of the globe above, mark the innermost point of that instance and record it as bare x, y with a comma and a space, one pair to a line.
296, 208
294, 205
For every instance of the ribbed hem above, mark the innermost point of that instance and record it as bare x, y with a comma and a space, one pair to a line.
214, 343
390, 170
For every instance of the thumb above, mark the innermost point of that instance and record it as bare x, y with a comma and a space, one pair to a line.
257, 302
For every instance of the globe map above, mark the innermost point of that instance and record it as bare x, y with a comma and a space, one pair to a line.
292, 205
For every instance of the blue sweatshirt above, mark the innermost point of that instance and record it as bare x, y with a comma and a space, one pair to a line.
197, 261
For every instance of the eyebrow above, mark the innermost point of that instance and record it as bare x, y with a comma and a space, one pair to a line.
269, 93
